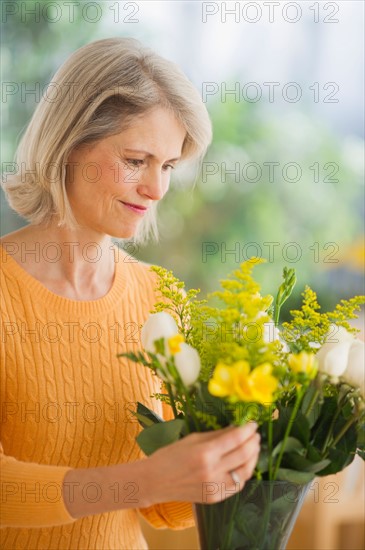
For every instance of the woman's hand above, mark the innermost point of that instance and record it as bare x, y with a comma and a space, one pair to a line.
195, 469
198, 467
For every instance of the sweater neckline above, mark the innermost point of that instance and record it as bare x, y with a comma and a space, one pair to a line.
41, 293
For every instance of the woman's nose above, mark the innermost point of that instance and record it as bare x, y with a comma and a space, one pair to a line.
153, 184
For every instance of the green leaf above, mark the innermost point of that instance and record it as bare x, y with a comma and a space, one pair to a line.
313, 454
296, 462
348, 442
138, 358
248, 521
324, 422
315, 412
339, 459
291, 444
344, 452
318, 466
299, 430
146, 414
281, 506
263, 461
159, 435
285, 474
144, 421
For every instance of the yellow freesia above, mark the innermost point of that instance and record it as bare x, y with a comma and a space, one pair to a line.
242, 376
222, 384
263, 384
174, 343
239, 383
303, 362
259, 385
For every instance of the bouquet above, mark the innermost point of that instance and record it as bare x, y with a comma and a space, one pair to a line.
230, 362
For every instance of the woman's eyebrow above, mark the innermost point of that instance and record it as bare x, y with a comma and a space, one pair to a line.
148, 154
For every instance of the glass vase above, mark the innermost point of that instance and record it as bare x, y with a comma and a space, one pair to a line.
260, 517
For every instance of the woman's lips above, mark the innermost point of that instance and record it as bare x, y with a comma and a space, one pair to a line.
135, 207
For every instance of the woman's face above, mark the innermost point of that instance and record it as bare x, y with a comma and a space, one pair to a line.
112, 184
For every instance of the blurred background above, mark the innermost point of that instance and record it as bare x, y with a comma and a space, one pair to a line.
284, 85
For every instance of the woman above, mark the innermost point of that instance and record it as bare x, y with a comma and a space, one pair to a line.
93, 163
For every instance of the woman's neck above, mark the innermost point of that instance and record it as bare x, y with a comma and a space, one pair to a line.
77, 264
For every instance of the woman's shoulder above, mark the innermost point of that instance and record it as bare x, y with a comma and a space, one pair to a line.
17, 244
131, 263
137, 271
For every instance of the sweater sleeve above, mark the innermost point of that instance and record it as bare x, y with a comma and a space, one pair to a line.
31, 494
172, 515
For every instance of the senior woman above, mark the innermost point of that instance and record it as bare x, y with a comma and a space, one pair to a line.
93, 163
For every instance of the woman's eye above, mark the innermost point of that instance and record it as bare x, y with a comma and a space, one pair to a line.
135, 162
168, 167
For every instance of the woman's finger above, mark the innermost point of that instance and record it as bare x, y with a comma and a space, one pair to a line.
244, 454
230, 438
244, 473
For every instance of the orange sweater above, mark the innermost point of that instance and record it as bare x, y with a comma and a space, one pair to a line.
65, 403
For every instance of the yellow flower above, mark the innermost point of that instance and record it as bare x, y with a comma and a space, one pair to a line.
259, 386
303, 362
174, 343
239, 382
242, 376
222, 384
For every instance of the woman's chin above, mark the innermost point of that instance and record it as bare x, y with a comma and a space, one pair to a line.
125, 233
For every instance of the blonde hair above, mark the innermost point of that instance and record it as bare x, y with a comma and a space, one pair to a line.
96, 93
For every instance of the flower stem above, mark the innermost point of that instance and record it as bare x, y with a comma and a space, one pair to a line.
342, 432
277, 314
338, 412
226, 543
287, 431
269, 443
311, 403
266, 514
192, 411
172, 400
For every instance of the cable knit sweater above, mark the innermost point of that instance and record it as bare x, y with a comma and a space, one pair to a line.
66, 401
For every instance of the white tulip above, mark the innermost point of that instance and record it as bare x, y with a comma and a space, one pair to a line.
332, 358
187, 362
333, 355
158, 325
354, 374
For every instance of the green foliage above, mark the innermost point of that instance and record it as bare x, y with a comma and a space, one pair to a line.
146, 417
159, 435
284, 474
